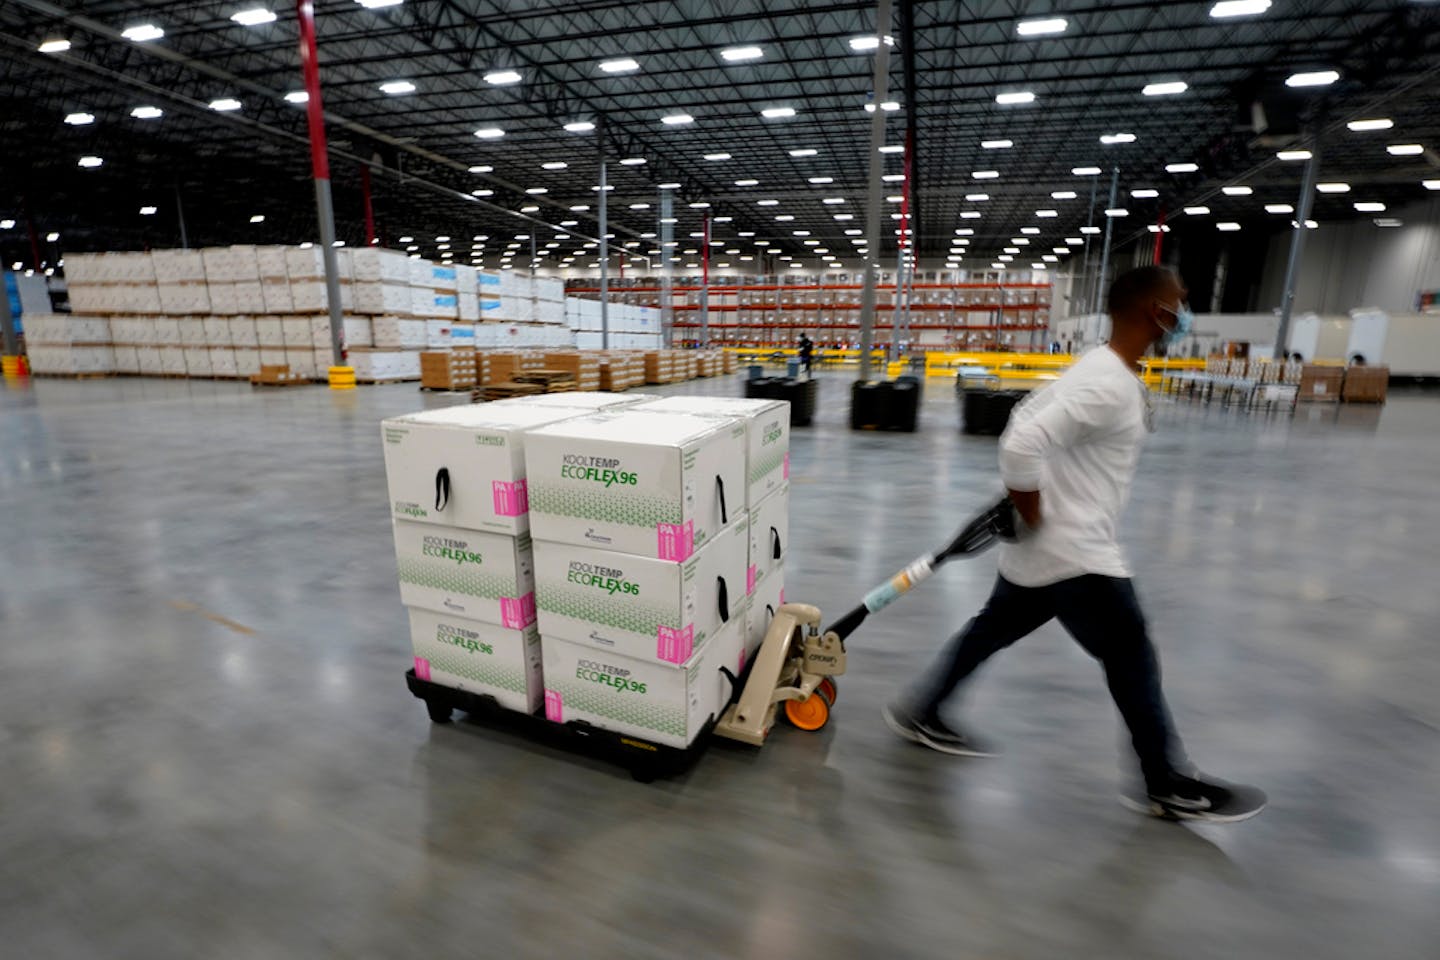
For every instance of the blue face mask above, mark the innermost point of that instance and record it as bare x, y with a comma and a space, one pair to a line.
1184, 323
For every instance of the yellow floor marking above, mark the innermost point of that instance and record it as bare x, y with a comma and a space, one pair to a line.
189, 607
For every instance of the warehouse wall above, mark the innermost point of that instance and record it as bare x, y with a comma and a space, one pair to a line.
1358, 264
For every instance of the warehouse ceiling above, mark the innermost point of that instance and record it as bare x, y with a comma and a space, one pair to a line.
778, 186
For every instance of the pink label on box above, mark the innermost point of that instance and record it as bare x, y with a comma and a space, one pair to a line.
422, 668
554, 706
675, 646
511, 499
517, 613
750, 580
676, 540
787, 466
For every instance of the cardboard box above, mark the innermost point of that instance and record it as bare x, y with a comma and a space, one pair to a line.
480, 576
658, 702
482, 450
767, 424
1365, 384
643, 608
479, 657
648, 484
589, 401
769, 537
1321, 383
760, 610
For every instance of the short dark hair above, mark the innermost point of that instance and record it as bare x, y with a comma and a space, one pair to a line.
1133, 286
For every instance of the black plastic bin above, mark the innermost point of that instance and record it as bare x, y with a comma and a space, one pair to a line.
986, 412
800, 394
885, 405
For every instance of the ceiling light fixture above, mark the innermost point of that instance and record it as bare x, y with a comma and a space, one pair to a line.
633, 162
741, 54
804, 152
54, 46
1045, 214
1363, 126
379, 4
502, 78
1227, 226
1110, 139
977, 197
258, 218
91, 162
1166, 89
821, 180
986, 174
1291, 155
1236, 191
747, 183
1181, 167
1116, 212
996, 144
1062, 195
489, 133
1085, 171
147, 113
1314, 78
142, 33
677, 119
1238, 8
1332, 187
225, 104
1196, 211
1015, 97
1144, 194
777, 113
397, 87
1369, 206
622, 65
147, 211
1048, 26
79, 119
1404, 149
1032, 231
1089, 229
713, 157
579, 126
1279, 208
253, 17
893, 148
1430, 184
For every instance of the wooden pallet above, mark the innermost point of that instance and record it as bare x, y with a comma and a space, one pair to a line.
505, 390
72, 376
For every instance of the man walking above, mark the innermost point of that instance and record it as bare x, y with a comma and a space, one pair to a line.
1067, 459
807, 352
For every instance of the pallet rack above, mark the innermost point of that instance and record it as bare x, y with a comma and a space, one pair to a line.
969, 315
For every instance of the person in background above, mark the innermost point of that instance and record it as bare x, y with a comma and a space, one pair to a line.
1067, 459
807, 352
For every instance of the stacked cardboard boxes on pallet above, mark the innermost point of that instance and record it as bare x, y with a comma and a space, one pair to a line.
226, 311
1365, 384
584, 368
767, 496
641, 539
448, 369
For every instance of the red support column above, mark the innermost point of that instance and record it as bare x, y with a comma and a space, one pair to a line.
1159, 235
370, 236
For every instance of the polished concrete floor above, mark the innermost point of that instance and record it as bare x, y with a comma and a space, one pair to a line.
207, 748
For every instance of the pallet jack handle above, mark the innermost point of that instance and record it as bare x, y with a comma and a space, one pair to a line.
996, 523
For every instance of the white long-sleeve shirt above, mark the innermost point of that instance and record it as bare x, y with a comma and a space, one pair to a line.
1077, 442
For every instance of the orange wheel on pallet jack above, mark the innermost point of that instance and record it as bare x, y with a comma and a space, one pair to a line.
832, 693
810, 714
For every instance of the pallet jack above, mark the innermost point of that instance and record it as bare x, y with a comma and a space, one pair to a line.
797, 663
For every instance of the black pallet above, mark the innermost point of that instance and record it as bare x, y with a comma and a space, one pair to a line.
646, 761
800, 394
986, 413
885, 405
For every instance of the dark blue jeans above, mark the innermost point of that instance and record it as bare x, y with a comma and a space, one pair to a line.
1103, 615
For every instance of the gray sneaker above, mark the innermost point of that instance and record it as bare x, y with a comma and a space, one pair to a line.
933, 733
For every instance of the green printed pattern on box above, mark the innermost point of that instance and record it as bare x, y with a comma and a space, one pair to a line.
500, 676
453, 578
621, 706
773, 460
609, 506
595, 606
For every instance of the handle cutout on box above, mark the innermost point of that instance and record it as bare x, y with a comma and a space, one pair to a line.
775, 548
442, 488
720, 492
724, 593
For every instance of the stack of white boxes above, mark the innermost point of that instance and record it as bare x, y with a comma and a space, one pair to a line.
458, 498
641, 541
767, 496
631, 327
